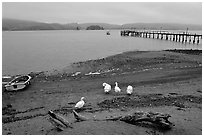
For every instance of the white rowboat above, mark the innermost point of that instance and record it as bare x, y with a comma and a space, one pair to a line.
18, 83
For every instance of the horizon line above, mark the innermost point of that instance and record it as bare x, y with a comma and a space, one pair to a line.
100, 22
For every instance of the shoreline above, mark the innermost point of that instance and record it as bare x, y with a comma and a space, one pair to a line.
54, 71
163, 81
74, 68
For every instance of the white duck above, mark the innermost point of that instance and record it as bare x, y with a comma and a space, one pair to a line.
80, 104
107, 87
117, 89
129, 90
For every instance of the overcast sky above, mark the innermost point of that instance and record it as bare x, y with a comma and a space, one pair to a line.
106, 12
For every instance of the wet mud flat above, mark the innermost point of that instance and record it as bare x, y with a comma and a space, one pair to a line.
163, 81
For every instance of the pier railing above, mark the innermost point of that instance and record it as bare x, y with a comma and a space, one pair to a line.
177, 37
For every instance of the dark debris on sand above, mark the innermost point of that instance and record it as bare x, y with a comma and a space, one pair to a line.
187, 51
151, 100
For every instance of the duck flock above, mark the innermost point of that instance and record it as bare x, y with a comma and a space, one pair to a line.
61, 122
107, 89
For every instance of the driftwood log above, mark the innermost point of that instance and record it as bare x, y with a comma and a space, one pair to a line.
158, 119
79, 117
58, 121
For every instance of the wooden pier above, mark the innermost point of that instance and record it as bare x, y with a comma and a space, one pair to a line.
177, 37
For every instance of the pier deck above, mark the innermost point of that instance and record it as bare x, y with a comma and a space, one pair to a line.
177, 37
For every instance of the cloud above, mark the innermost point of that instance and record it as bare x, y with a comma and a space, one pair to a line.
110, 12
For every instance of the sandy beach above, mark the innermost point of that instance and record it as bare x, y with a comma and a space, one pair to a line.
163, 81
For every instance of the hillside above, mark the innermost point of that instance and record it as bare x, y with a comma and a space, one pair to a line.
15, 25
104, 25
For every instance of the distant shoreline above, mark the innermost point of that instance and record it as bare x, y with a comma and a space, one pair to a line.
15, 24
93, 30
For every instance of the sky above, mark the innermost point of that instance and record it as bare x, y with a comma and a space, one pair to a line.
106, 12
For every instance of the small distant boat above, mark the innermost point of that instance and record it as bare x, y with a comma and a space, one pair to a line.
18, 83
107, 33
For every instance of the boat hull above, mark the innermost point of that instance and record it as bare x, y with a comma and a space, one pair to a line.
18, 83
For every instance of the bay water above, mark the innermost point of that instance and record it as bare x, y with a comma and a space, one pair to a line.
30, 51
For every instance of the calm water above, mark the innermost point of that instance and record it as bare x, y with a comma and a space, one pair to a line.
26, 51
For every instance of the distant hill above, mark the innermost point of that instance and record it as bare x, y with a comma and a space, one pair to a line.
14, 25
104, 25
